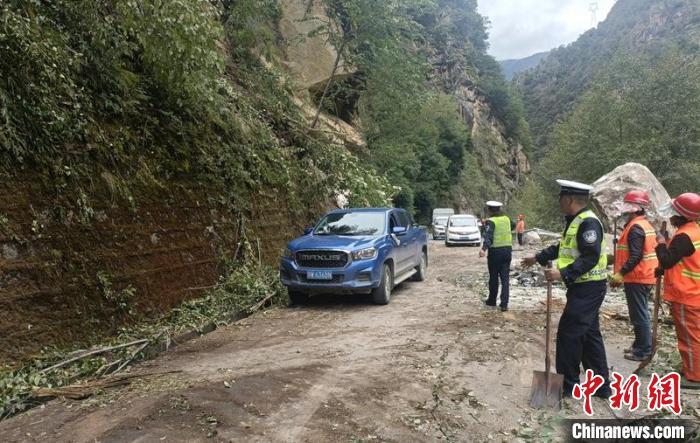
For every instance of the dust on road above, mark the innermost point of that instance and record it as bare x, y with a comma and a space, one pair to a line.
433, 365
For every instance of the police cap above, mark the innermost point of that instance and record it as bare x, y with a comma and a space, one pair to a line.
574, 188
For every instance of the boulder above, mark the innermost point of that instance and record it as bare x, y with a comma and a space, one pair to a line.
308, 56
532, 238
609, 190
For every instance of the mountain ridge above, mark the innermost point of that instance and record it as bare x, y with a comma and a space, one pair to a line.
514, 66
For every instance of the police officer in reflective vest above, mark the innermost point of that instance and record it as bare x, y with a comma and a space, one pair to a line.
498, 241
581, 264
680, 263
635, 263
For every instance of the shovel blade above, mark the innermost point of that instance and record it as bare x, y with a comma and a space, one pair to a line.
546, 391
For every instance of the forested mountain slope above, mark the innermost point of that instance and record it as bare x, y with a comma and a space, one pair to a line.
626, 91
632, 27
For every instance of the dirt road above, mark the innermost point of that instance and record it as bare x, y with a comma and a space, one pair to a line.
434, 365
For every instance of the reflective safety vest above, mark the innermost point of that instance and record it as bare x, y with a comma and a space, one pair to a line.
502, 236
682, 282
569, 252
643, 273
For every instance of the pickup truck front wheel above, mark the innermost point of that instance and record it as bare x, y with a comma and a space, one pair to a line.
298, 298
382, 294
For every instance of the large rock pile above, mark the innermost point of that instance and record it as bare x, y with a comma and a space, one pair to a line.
609, 190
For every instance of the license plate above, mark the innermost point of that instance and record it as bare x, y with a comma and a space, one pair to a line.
319, 275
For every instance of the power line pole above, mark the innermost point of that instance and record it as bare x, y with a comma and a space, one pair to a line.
593, 7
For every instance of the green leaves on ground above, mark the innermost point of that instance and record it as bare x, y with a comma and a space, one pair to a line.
240, 289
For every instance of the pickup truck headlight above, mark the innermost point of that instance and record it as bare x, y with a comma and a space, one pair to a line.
288, 253
364, 254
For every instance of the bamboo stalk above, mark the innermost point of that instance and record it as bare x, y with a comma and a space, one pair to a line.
133, 355
91, 353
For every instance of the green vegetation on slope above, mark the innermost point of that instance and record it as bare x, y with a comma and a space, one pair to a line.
645, 110
410, 58
632, 27
143, 94
627, 91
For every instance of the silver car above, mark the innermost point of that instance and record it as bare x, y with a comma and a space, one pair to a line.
462, 229
439, 227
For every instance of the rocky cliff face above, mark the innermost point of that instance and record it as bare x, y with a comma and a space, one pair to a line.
503, 158
309, 62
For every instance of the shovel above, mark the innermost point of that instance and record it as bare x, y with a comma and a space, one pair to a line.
547, 388
655, 328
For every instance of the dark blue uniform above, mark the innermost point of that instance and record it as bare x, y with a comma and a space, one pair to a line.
578, 335
498, 260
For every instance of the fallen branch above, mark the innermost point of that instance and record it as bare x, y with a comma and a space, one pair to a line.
78, 392
133, 355
84, 390
260, 304
91, 353
104, 368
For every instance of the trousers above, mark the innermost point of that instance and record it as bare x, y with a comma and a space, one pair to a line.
638, 306
499, 270
687, 320
578, 337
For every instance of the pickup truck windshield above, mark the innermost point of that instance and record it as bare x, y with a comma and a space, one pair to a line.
463, 222
352, 223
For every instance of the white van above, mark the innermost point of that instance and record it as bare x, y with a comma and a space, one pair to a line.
442, 212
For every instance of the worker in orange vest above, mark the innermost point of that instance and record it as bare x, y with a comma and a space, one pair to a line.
680, 263
635, 263
520, 228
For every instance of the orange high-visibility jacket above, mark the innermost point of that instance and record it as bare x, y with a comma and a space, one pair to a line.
682, 282
643, 273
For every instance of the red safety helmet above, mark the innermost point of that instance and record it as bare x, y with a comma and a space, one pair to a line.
637, 197
687, 205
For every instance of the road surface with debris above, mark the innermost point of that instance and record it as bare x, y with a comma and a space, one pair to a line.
434, 365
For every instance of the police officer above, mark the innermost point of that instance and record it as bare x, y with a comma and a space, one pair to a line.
581, 264
498, 241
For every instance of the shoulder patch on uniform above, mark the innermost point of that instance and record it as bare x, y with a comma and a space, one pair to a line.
590, 237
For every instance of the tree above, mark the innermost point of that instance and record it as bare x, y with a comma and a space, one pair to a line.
645, 110
359, 29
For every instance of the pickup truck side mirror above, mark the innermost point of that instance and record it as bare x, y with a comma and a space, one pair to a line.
399, 230
308, 231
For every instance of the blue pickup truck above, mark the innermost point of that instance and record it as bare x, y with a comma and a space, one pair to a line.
356, 251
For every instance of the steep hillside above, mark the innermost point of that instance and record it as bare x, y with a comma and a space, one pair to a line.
147, 150
139, 146
516, 66
632, 27
493, 111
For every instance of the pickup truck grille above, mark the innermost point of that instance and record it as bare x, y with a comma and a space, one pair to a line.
322, 259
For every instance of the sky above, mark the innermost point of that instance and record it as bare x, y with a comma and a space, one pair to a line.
520, 28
